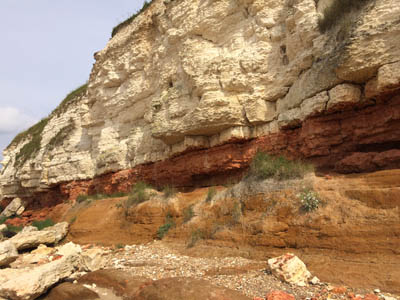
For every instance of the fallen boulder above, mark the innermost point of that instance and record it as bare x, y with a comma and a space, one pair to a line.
8, 253
121, 282
30, 238
69, 291
27, 284
186, 288
16, 206
289, 268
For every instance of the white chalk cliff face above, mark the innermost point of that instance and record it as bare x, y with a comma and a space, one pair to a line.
196, 74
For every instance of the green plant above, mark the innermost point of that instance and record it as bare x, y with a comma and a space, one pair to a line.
137, 195
130, 19
15, 229
237, 212
81, 198
3, 219
75, 94
188, 214
169, 191
35, 132
31, 147
195, 236
338, 10
72, 220
212, 191
43, 224
60, 136
119, 246
309, 200
265, 166
163, 230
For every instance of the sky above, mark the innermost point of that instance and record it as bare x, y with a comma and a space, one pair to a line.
46, 51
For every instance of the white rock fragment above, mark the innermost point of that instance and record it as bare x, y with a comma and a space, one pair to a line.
31, 238
8, 253
27, 284
13, 208
290, 268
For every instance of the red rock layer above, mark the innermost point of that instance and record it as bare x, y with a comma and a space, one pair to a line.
358, 140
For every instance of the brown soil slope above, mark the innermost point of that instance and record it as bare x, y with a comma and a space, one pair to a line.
353, 238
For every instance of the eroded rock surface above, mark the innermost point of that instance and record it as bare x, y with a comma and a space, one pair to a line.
8, 253
26, 284
30, 237
187, 75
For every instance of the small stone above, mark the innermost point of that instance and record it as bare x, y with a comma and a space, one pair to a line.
339, 290
371, 297
377, 291
315, 281
279, 295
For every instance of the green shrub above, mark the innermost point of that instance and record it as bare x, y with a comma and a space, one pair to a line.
196, 235
169, 191
43, 224
237, 212
337, 10
3, 219
82, 198
75, 94
309, 200
15, 229
265, 166
130, 19
33, 146
163, 230
212, 191
59, 138
188, 214
119, 246
72, 220
137, 195
35, 132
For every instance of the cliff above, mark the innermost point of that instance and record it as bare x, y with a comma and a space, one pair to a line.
188, 91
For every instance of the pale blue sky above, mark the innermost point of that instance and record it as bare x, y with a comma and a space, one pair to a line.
46, 50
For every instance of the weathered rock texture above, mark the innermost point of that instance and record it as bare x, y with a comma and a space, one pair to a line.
190, 82
28, 284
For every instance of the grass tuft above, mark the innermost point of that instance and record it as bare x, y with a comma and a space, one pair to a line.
163, 230
212, 191
35, 132
169, 191
43, 224
14, 229
196, 235
338, 10
264, 166
128, 21
137, 195
188, 214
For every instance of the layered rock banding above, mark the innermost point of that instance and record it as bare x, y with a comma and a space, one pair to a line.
189, 91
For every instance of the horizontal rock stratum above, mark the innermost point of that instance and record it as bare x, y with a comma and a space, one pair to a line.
190, 90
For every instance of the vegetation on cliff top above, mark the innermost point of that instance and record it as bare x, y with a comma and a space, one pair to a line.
128, 21
35, 132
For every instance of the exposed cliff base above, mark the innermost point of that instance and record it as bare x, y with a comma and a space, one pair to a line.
352, 239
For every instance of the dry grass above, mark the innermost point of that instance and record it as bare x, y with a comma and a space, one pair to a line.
334, 13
